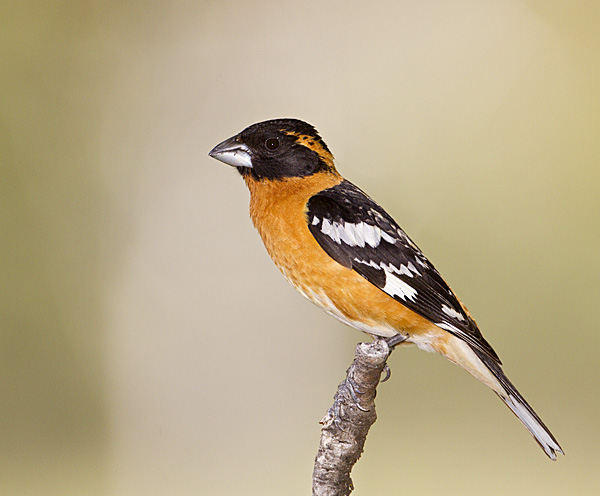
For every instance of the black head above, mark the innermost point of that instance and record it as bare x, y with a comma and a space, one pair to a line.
276, 149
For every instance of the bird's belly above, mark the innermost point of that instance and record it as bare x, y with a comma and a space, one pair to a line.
323, 301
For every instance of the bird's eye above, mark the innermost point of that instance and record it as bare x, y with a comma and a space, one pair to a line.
272, 144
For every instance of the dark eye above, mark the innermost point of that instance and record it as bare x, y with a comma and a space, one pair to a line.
272, 144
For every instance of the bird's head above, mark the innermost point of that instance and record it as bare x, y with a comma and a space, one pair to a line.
276, 149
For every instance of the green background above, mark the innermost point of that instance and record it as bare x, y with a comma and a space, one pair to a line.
149, 346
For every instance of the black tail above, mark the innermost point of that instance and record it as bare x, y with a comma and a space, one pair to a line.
521, 409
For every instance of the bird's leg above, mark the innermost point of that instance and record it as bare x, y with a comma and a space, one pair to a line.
395, 340
392, 342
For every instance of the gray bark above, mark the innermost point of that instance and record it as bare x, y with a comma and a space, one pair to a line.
347, 423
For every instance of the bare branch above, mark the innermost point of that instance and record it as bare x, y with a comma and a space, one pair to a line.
347, 423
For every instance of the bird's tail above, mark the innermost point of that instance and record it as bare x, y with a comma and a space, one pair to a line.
521, 408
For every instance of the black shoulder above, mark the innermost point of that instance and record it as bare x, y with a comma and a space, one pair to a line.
359, 234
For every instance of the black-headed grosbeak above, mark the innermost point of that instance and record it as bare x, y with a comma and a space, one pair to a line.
345, 253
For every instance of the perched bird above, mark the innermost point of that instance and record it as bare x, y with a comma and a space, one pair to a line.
347, 255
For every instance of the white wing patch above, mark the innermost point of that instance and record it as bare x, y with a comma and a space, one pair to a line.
421, 262
449, 327
409, 271
360, 234
388, 238
452, 313
371, 234
404, 270
350, 234
394, 286
330, 230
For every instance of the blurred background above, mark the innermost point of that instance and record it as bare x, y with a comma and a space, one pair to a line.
149, 346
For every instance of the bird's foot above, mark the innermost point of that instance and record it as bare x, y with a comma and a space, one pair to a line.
350, 388
392, 342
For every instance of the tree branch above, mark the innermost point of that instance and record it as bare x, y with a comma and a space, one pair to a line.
347, 423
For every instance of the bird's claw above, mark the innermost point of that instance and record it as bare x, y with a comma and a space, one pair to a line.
388, 373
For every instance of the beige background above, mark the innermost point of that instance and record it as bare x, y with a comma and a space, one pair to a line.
149, 346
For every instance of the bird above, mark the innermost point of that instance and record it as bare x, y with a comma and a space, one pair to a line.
343, 252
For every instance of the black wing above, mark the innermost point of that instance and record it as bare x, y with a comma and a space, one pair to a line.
357, 233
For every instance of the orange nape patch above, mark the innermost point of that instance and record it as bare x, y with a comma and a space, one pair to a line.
316, 145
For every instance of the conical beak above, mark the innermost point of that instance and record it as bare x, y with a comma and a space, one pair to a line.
232, 152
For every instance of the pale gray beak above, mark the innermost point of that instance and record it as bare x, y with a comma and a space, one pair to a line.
232, 152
